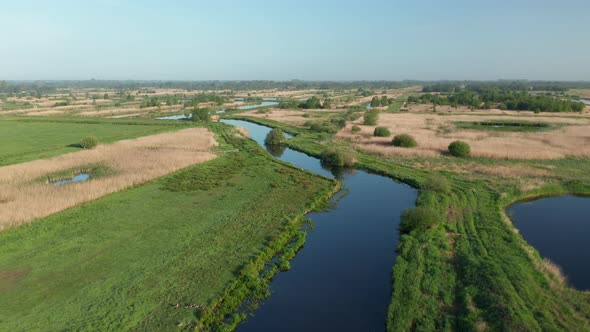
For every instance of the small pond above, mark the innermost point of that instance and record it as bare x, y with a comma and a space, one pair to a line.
77, 178
559, 228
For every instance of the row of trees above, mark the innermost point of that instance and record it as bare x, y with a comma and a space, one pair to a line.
506, 100
383, 101
311, 103
454, 86
194, 101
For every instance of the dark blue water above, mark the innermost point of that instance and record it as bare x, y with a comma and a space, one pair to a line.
78, 178
341, 279
559, 228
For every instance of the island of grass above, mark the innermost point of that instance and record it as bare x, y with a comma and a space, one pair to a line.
158, 256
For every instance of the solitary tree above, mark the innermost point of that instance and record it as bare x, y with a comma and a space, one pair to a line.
375, 102
275, 137
313, 102
201, 115
371, 118
459, 149
404, 141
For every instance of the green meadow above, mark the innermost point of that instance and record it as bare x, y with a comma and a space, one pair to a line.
25, 139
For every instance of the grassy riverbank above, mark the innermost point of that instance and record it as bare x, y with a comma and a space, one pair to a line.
473, 271
170, 253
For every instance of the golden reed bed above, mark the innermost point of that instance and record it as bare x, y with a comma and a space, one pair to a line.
23, 197
434, 133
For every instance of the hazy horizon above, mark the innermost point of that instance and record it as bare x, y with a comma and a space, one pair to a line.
303, 40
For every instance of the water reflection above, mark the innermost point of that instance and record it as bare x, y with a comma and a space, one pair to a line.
275, 150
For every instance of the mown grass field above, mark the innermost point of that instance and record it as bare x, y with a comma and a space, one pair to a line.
150, 257
25, 139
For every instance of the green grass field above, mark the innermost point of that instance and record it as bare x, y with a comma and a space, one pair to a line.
146, 257
25, 139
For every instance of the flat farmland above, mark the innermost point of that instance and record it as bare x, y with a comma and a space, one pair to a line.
25, 139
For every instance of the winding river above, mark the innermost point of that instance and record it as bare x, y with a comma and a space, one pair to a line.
341, 279
559, 228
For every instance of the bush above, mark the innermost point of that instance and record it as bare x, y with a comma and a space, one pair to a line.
418, 219
404, 141
323, 127
371, 118
356, 129
437, 183
275, 137
201, 114
459, 149
336, 158
381, 132
88, 142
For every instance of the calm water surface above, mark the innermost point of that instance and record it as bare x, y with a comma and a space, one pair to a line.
77, 178
341, 279
559, 228
265, 102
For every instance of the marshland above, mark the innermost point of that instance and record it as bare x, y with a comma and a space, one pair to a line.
294, 166
222, 232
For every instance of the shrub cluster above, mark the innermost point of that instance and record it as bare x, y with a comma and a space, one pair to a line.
201, 114
404, 141
418, 219
437, 183
371, 117
381, 132
459, 149
356, 129
336, 158
89, 142
275, 137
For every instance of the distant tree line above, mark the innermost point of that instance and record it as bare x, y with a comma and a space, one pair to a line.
502, 99
311, 103
504, 86
383, 101
46, 87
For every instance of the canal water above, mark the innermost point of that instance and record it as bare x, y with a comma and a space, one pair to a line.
559, 228
341, 279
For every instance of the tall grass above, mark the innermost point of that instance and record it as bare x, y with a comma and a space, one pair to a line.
435, 133
132, 162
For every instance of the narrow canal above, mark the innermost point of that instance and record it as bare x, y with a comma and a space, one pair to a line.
341, 279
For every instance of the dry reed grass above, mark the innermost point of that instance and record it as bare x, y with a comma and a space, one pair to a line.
294, 117
133, 162
434, 133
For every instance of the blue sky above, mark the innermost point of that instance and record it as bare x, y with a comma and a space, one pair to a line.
303, 39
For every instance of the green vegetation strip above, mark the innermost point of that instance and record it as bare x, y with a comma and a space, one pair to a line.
507, 125
190, 249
